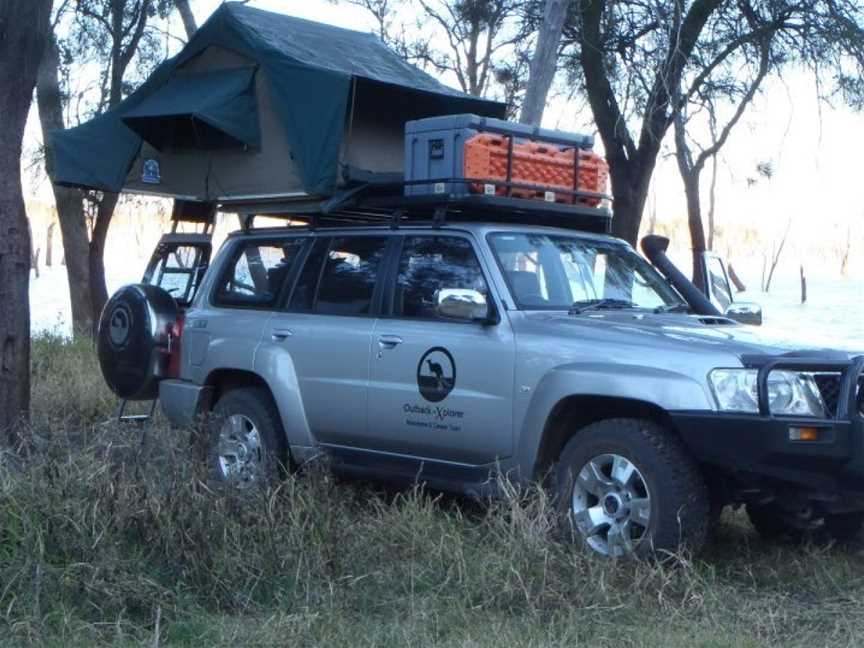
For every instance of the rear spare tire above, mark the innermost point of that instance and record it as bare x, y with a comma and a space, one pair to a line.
133, 340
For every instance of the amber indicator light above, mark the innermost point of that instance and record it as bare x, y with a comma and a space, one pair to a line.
804, 434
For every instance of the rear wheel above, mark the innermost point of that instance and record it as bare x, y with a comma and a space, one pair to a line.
628, 487
845, 527
246, 442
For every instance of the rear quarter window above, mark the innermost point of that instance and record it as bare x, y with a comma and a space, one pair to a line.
258, 272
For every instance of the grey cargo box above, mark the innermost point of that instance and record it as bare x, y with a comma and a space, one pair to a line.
435, 149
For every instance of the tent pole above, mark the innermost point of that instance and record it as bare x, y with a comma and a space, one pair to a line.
351, 115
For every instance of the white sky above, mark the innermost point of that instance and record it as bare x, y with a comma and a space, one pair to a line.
816, 151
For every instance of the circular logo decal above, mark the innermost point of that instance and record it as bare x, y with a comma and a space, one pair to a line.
119, 326
436, 374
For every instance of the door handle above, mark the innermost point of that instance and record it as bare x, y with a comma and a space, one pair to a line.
281, 334
389, 341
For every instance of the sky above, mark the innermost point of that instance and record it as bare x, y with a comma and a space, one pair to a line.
815, 149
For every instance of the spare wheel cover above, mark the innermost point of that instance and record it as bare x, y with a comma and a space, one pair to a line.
133, 340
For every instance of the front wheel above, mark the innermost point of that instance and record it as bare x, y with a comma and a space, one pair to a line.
629, 487
845, 527
246, 442
773, 523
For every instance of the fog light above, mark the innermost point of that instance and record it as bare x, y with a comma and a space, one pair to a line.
803, 434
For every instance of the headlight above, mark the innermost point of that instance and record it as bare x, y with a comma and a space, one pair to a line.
790, 393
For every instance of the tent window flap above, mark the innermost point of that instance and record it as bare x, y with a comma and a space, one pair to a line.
205, 111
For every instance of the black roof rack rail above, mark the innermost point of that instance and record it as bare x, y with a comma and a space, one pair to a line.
385, 204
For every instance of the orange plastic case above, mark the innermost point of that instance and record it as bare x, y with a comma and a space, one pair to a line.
544, 165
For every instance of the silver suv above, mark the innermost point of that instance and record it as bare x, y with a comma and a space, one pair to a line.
461, 353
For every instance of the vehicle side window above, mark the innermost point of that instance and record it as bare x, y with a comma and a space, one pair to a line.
432, 263
349, 275
258, 272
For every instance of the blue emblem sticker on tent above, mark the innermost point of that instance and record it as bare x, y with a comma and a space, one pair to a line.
150, 172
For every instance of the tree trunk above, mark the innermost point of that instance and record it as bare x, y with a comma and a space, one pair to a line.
34, 254
697, 229
49, 245
630, 182
844, 256
188, 17
98, 286
712, 202
23, 29
776, 257
736, 280
803, 286
70, 205
544, 61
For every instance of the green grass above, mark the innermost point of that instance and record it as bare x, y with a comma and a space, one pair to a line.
104, 530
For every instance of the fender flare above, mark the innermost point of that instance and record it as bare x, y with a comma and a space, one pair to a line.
663, 389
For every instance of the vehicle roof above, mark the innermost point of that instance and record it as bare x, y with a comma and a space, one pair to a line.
479, 229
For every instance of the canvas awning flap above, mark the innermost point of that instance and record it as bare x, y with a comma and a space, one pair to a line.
211, 110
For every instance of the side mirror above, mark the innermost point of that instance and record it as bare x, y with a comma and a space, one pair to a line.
463, 304
745, 312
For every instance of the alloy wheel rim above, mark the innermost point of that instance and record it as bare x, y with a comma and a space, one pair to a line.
239, 454
611, 505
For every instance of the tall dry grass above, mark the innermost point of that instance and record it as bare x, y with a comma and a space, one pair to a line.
110, 535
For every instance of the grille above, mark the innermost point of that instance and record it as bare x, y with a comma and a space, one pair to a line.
829, 386
861, 395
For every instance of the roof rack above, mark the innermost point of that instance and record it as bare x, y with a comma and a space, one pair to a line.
385, 204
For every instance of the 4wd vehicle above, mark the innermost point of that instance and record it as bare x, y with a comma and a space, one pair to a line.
458, 349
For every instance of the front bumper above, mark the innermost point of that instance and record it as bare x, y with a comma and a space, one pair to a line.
759, 446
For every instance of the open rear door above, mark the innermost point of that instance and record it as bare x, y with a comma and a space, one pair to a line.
718, 289
181, 258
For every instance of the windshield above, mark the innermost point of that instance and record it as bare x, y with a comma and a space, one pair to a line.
561, 272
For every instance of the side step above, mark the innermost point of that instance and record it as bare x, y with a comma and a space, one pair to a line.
122, 417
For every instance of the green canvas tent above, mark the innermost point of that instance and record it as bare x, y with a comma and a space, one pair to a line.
259, 107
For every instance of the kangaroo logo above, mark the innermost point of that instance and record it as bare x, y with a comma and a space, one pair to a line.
436, 374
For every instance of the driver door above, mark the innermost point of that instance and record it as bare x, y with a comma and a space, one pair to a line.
440, 389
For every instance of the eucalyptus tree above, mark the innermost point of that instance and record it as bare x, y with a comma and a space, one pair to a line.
641, 62
476, 42
112, 45
23, 30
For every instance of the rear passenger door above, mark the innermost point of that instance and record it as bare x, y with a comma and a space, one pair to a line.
323, 338
246, 292
440, 389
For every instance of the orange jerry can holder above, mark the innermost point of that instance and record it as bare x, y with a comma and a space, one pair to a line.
502, 165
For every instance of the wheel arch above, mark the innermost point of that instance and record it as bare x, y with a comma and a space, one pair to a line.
573, 413
284, 393
225, 379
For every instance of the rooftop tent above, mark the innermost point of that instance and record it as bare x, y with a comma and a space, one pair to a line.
259, 106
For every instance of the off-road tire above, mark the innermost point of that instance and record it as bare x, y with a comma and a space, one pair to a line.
845, 527
679, 498
257, 405
772, 525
